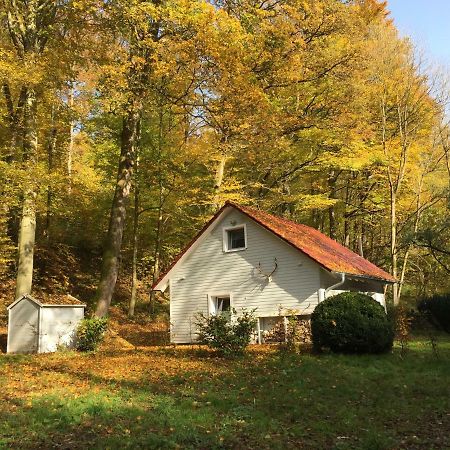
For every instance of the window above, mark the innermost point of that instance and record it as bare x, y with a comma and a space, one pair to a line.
235, 238
220, 304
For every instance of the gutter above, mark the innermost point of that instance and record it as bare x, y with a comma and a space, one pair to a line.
338, 284
368, 277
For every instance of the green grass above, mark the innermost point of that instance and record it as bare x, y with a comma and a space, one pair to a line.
183, 398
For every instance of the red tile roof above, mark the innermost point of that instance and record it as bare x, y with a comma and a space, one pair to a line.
319, 247
325, 251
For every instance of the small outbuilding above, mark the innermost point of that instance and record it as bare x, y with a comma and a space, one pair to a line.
42, 326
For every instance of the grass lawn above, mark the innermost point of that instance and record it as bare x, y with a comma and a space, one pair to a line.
186, 398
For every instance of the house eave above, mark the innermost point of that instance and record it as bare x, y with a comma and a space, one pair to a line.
364, 277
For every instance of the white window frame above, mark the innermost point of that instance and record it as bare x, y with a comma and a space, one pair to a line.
225, 238
211, 299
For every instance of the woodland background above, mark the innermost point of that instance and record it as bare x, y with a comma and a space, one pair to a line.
125, 124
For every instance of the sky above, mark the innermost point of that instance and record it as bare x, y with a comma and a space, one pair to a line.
427, 22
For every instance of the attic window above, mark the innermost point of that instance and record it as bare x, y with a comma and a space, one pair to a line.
235, 238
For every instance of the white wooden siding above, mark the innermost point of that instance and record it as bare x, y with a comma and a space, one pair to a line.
23, 327
209, 270
58, 327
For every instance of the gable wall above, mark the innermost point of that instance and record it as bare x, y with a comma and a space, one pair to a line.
23, 327
209, 270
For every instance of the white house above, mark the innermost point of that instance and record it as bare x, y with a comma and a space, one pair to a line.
246, 258
41, 326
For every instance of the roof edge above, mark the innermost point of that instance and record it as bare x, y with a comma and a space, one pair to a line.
46, 305
28, 296
49, 305
366, 277
190, 244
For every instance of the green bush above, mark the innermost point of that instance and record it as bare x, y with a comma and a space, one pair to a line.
228, 335
90, 333
351, 322
438, 306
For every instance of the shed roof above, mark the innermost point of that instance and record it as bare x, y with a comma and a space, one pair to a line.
327, 252
46, 300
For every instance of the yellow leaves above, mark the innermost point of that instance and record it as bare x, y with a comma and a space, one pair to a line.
355, 155
305, 202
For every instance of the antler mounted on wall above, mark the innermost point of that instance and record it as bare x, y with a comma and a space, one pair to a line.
268, 276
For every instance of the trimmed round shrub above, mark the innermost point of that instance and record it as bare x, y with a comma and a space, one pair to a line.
438, 306
351, 322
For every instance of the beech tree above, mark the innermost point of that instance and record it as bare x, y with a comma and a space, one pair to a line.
29, 26
158, 39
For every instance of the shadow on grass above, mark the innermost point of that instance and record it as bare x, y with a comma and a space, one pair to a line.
102, 421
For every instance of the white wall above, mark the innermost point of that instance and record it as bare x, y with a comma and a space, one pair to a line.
210, 271
58, 327
23, 327
373, 288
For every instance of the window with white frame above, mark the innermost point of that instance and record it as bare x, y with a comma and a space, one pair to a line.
220, 304
235, 238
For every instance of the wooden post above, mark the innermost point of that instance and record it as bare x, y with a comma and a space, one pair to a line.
258, 330
285, 323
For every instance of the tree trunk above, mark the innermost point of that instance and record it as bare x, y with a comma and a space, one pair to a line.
71, 140
218, 180
415, 229
346, 239
50, 156
361, 240
394, 264
110, 264
30, 24
134, 280
332, 180
157, 253
15, 120
27, 228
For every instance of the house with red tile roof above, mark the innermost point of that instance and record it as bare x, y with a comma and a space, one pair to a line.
246, 258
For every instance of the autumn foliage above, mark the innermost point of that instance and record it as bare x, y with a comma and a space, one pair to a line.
125, 124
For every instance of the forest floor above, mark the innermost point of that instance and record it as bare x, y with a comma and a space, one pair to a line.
186, 397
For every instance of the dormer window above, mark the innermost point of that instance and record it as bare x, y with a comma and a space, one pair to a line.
235, 238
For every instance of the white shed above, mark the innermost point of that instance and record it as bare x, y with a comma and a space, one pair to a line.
41, 326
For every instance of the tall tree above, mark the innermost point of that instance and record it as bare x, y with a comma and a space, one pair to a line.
29, 24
